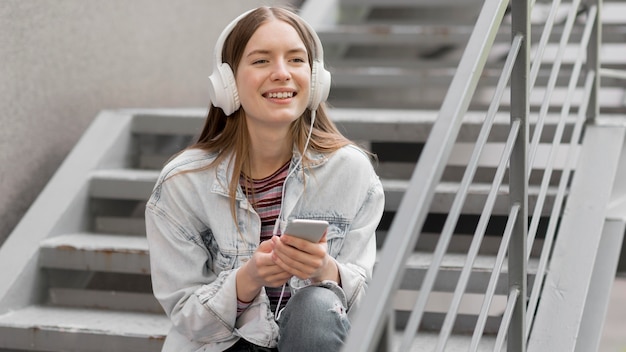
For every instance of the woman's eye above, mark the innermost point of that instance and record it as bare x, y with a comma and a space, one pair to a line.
259, 61
298, 59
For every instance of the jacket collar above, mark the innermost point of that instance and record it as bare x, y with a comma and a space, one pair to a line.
224, 170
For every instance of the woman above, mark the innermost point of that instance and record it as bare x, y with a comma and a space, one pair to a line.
221, 268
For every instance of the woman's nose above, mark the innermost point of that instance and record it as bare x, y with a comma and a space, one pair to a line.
280, 72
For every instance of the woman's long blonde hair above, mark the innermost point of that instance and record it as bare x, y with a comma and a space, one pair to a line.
228, 135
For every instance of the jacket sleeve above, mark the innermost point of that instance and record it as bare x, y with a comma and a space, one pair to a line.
200, 304
358, 254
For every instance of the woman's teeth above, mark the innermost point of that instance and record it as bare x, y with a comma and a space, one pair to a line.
280, 95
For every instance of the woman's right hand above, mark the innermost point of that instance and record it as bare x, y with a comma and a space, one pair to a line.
259, 271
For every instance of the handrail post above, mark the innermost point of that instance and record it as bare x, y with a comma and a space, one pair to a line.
385, 343
593, 59
518, 179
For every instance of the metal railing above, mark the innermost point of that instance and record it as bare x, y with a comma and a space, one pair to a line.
518, 156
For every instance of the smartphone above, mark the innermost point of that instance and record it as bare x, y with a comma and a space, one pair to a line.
310, 230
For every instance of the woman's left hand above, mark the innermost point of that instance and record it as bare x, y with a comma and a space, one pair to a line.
304, 259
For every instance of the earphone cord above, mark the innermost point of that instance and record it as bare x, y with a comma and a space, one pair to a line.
280, 213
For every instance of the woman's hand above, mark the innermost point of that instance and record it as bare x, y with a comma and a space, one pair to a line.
259, 271
304, 259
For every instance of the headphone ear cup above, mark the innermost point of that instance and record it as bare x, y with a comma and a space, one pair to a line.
320, 85
223, 89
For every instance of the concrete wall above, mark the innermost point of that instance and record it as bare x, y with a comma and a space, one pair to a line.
63, 61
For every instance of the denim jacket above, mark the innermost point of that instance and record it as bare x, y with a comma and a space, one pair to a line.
195, 248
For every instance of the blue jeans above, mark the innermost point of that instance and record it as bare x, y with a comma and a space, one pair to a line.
314, 319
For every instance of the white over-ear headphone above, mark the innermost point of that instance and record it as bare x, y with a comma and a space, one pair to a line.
222, 86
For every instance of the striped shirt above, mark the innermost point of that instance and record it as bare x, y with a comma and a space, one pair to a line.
265, 195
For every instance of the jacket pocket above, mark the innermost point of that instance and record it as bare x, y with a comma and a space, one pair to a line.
218, 260
335, 236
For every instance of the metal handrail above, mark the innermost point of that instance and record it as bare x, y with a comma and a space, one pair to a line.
408, 221
556, 67
519, 152
507, 317
477, 238
553, 222
560, 128
457, 205
493, 280
565, 174
612, 73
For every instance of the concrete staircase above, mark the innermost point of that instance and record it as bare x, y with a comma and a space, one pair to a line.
83, 282
76, 271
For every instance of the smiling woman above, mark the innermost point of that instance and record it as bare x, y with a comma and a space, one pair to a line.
273, 80
222, 266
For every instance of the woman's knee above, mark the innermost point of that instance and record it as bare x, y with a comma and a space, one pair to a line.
315, 319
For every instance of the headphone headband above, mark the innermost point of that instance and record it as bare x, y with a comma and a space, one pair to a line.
219, 45
223, 89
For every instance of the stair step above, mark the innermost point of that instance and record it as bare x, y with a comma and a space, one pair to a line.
391, 77
129, 254
433, 321
460, 242
46, 328
460, 157
398, 125
612, 53
411, 3
439, 302
423, 34
96, 252
450, 270
412, 80
611, 99
427, 341
397, 34
411, 125
168, 121
120, 225
130, 184
412, 75
474, 203
109, 300
397, 58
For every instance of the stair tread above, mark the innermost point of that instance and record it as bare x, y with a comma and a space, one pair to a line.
455, 261
396, 185
91, 321
139, 245
120, 225
137, 185
171, 121
388, 34
96, 252
418, 116
125, 174
421, 3
130, 184
612, 11
453, 187
105, 299
97, 242
427, 341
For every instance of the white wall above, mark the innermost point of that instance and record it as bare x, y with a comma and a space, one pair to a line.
63, 61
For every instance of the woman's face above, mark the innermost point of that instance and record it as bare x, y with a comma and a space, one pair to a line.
273, 76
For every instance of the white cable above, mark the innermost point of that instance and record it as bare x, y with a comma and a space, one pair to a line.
278, 310
280, 213
282, 192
